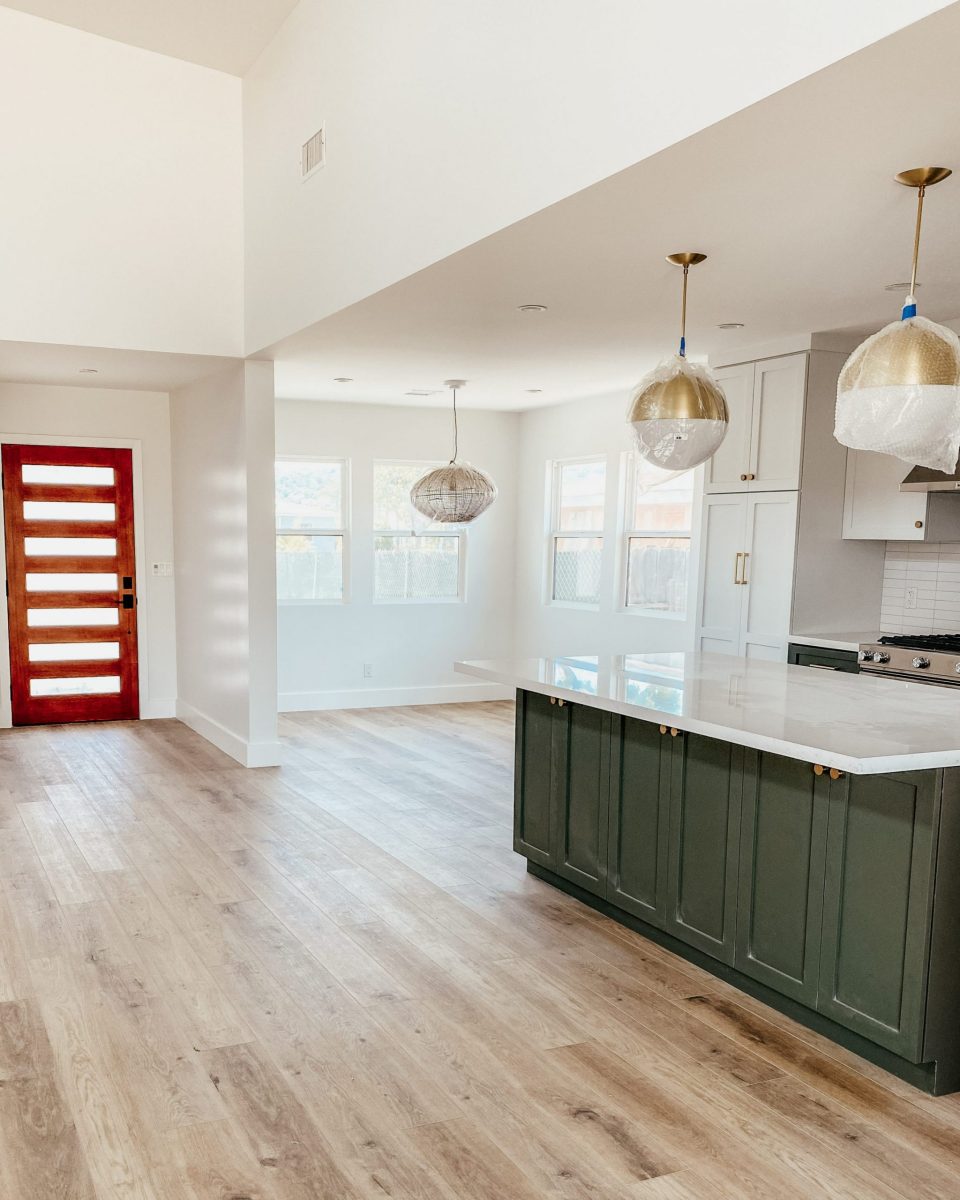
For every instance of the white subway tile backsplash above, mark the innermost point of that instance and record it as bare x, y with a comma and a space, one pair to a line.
931, 573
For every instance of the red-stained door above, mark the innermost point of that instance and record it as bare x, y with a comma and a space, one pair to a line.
71, 584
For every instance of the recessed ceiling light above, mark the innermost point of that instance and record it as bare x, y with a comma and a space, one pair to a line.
531, 308
423, 392
89, 371
901, 287
730, 325
342, 379
534, 391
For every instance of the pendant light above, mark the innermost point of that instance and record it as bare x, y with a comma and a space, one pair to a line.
678, 412
899, 392
456, 493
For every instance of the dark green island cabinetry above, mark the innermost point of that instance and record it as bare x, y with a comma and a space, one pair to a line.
835, 898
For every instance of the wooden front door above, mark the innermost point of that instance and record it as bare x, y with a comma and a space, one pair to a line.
71, 584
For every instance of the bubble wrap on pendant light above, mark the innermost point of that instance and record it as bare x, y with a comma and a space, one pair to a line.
899, 394
678, 414
454, 494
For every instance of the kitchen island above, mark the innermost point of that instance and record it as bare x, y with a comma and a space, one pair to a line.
796, 833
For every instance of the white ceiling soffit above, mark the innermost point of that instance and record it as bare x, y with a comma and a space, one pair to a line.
227, 35
91, 366
792, 200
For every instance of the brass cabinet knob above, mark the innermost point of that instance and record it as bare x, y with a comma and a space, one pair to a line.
743, 479
560, 703
663, 729
918, 524
553, 699
835, 773
751, 476
818, 768
674, 732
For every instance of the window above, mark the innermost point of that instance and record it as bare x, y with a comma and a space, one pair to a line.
311, 529
576, 536
657, 552
413, 561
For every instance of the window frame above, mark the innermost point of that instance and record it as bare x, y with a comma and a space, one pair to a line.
432, 530
343, 532
554, 531
628, 532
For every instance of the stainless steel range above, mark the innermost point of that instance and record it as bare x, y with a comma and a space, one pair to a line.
925, 658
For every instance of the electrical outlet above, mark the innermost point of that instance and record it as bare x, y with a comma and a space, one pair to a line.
910, 598
368, 670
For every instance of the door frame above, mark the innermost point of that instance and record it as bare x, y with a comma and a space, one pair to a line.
134, 446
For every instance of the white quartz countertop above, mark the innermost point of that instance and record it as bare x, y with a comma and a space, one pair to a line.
844, 639
857, 723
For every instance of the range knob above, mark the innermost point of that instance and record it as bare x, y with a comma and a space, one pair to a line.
919, 662
867, 656
881, 656
957, 668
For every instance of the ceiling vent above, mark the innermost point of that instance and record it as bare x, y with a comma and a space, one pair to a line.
313, 154
422, 392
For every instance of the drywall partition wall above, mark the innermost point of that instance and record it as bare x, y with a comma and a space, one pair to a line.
111, 417
222, 455
446, 122
584, 428
121, 177
409, 648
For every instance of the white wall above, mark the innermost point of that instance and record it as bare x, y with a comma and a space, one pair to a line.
446, 122
582, 429
121, 184
141, 421
322, 647
222, 453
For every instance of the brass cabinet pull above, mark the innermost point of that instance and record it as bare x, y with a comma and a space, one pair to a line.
743, 577
736, 567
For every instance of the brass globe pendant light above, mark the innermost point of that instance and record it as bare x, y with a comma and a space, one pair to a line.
899, 392
457, 493
679, 412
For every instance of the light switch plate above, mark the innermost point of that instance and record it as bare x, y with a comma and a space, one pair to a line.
162, 568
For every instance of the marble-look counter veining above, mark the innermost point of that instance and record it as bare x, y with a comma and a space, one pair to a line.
857, 723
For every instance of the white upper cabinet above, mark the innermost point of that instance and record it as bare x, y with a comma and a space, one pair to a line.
762, 449
875, 508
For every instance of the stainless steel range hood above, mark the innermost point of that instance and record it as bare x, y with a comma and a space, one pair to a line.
923, 479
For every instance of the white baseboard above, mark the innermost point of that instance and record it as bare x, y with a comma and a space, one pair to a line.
157, 710
445, 693
248, 754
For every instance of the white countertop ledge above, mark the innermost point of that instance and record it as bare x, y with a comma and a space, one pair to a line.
858, 723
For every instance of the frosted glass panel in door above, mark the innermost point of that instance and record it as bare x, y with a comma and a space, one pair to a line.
771, 539
723, 538
778, 423
733, 458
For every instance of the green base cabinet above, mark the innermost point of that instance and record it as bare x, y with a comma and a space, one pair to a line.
839, 895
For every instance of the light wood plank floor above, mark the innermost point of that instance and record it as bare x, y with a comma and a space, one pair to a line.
334, 979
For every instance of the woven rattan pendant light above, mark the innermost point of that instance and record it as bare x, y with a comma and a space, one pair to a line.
678, 412
457, 493
899, 392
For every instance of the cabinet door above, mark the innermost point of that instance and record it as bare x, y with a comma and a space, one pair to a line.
581, 771
639, 808
721, 595
704, 845
727, 469
874, 506
771, 526
782, 846
877, 902
533, 809
776, 440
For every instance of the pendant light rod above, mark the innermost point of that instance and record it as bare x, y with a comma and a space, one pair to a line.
920, 178
454, 384
686, 259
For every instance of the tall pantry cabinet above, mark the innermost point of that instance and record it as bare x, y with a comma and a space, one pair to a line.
772, 555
